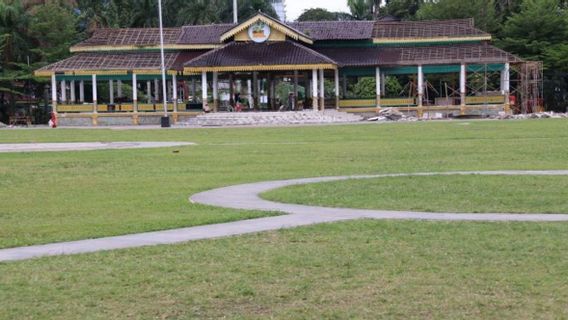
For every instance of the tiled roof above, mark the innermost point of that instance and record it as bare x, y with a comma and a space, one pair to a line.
462, 53
121, 61
426, 29
206, 34
353, 57
131, 37
253, 54
336, 30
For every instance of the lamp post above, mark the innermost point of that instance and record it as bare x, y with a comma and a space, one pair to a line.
165, 121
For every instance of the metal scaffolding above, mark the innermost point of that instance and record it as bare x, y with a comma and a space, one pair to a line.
527, 87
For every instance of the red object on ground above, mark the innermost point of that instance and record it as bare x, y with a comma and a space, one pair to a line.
53, 120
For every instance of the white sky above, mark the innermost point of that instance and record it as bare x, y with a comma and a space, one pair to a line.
294, 8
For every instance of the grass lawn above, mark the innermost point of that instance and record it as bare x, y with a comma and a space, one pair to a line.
48, 197
483, 194
363, 269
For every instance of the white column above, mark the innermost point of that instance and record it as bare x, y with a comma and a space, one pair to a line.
383, 84
215, 91
156, 90
175, 91
378, 86
73, 99
507, 86
82, 91
63, 91
337, 88
420, 86
54, 93
111, 91
149, 90
119, 88
249, 88
94, 84
134, 93
315, 89
507, 78
322, 90
463, 80
204, 90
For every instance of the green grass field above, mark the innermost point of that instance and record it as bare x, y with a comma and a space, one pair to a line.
364, 269
50, 197
476, 194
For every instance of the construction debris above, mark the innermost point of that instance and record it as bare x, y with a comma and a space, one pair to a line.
2, 125
392, 114
540, 115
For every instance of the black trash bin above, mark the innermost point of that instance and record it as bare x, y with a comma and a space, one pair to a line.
165, 121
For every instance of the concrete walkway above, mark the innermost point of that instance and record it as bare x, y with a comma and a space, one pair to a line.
246, 197
83, 146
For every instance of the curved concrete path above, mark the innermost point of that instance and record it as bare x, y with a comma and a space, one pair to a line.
84, 146
247, 197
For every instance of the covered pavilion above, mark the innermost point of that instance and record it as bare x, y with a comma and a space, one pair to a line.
419, 67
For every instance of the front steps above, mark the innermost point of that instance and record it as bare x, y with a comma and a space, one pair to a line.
231, 119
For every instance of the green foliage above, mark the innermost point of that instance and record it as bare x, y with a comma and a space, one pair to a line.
366, 87
403, 9
317, 14
361, 9
537, 31
54, 28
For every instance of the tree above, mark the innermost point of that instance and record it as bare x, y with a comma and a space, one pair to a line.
403, 9
317, 14
54, 28
15, 53
483, 11
537, 29
539, 32
361, 9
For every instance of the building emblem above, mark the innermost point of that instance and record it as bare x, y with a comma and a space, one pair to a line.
259, 32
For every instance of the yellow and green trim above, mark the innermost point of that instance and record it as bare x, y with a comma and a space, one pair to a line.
190, 70
383, 41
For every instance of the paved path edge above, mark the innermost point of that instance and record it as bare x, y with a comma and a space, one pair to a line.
247, 197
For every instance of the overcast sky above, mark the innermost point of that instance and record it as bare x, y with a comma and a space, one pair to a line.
294, 8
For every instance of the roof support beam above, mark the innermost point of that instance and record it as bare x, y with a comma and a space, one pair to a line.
204, 91
54, 93
175, 92
337, 89
82, 91
111, 91
463, 87
63, 91
322, 89
315, 89
134, 93
94, 86
72, 87
378, 85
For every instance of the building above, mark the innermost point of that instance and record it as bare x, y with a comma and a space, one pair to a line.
447, 67
280, 8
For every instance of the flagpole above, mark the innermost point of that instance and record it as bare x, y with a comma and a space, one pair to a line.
235, 12
165, 120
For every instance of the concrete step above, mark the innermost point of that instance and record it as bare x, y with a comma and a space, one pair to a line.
272, 118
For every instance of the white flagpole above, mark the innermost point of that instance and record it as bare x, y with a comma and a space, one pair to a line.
164, 89
235, 12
